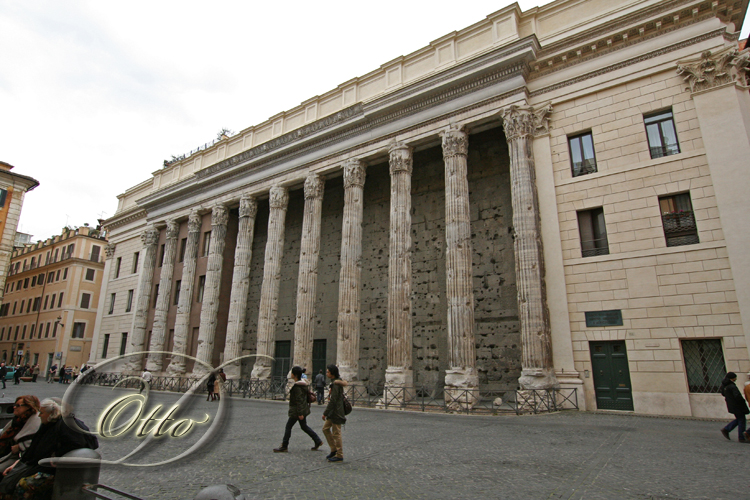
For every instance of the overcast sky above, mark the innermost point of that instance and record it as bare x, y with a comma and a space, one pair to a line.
94, 95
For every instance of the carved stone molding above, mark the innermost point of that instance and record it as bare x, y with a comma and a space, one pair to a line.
712, 70
455, 142
314, 186
173, 228
518, 121
109, 250
248, 206
219, 215
541, 119
354, 173
278, 197
194, 221
150, 236
400, 158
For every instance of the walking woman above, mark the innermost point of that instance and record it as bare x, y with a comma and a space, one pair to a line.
210, 384
334, 415
299, 409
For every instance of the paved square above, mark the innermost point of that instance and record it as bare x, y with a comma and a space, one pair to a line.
405, 455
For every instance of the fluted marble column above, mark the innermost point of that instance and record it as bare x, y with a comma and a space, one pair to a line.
307, 281
537, 371
269, 295
158, 331
212, 287
399, 373
240, 285
462, 374
150, 238
350, 282
182, 321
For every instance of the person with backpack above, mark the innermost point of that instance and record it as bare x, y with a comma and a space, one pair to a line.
735, 405
334, 415
320, 385
299, 409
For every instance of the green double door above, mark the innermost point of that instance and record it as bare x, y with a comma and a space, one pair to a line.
609, 362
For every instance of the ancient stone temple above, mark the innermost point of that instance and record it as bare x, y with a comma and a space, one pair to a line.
545, 199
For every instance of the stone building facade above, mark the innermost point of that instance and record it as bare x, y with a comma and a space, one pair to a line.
543, 199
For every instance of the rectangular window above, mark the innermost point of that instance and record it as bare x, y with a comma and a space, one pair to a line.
123, 343
129, 303
52, 302
71, 247
593, 232
136, 255
15, 335
40, 279
2, 333
14, 307
65, 273
31, 333
582, 157
85, 300
118, 263
183, 247
105, 347
206, 242
33, 281
57, 277
23, 332
90, 273
112, 303
28, 306
20, 311
78, 329
156, 294
46, 330
46, 301
3, 196
678, 220
46, 260
95, 251
37, 303
177, 286
57, 252
26, 283
59, 300
662, 138
201, 286
704, 365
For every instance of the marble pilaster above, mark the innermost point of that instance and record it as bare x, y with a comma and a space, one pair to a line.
307, 282
212, 288
96, 349
182, 321
240, 285
159, 329
350, 282
520, 124
150, 239
269, 296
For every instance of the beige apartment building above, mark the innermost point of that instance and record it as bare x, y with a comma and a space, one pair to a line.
545, 199
51, 299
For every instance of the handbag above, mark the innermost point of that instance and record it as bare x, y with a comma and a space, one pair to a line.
311, 397
347, 406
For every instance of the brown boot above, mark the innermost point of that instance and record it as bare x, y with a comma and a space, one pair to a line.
281, 449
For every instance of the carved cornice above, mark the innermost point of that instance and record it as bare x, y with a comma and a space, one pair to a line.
314, 186
248, 206
712, 70
541, 119
354, 173
401, 159
194, 221
455, 141
150, 236
124, 218
219, 215
109, 250
173, 228
278, 197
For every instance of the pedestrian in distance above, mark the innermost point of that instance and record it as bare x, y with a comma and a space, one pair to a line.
35, 373
51, 374
61, 375
304, 374
210, 386
299, 409
3, 373
17, 375
221, 377
146, 379
735, 405
320, 386
334, 415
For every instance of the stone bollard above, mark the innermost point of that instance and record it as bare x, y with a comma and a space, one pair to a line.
220, 492
70, 478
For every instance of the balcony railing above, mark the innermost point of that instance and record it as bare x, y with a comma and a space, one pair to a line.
661, 151
590, 248
584, 167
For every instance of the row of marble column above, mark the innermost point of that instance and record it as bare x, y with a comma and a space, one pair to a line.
520, 123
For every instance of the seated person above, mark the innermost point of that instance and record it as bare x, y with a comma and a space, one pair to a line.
16, 436
26, 479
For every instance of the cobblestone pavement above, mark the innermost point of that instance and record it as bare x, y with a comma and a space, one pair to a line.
405, 455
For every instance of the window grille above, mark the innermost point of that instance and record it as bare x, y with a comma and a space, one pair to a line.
704, 364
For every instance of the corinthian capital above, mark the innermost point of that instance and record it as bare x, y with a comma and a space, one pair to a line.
354, 173
518, 121
248, 206
109, 250
172, 229
150, 236
314, 185
455, 141
219, 215
400, 158
714, 69
278, 197
194, 221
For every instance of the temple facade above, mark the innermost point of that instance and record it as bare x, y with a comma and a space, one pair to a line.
545, 199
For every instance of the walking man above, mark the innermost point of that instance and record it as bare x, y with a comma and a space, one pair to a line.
334, 415
299, 409
320, 385
735, 405
146, 376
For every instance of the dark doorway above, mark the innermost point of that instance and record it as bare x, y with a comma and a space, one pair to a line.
283, 355
609, 361
318, 358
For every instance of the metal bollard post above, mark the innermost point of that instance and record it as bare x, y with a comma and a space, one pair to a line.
70, 478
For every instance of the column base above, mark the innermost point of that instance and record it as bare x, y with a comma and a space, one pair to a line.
233, 371
399, 387
349, 373
538, 378
154, 365
260, 372
461, 388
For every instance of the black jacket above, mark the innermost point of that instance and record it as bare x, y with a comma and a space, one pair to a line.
335, 409
735, 402
298, 404
56, 439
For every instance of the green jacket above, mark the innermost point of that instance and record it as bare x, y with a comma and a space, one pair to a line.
335, 409
298, 404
